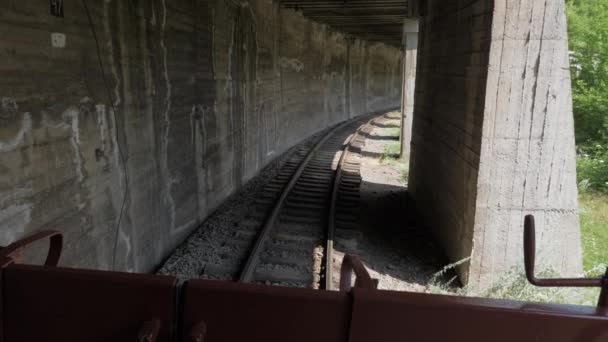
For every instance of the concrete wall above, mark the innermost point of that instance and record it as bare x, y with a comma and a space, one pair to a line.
202, 94
453, 58
528, 150
493, 134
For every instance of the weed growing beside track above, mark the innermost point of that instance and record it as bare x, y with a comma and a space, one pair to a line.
390, 157
513, 285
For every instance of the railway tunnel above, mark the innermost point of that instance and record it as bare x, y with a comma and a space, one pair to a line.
126, 124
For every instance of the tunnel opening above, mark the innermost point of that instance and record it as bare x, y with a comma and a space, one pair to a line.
148, 116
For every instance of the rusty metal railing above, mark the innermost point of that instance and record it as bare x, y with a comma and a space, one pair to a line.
13, 253
350, 264
530, 260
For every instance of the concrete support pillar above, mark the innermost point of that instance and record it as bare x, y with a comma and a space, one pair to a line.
493, 135
528, 155
410, 55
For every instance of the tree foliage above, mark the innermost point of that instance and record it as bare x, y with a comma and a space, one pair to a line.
588, 35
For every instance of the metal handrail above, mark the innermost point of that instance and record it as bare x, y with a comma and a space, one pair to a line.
149, 331
352, 263
12, 254
530, 260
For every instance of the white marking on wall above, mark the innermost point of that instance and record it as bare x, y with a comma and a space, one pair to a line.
291, 63
100, 110
127, 242
228, 85
153, 19
186, 226
58, 40
72, 114
229, 89
26, 128
204, 114
165, 139
117, 193
110, 46
198, 127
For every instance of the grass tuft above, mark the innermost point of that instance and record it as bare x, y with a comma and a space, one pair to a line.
594, 232
391, 154
513, 285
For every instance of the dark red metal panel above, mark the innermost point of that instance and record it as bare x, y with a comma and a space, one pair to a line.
55, 304
12, 254
231, 312
395, 316
1, 305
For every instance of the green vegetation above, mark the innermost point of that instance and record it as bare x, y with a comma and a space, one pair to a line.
588, 36
594, 230
390, 155
514, 286
592, 170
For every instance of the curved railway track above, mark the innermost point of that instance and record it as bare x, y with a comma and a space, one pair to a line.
314, 198
344, 201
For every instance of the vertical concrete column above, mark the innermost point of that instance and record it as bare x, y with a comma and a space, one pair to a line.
493, 135
410, 44
528, 158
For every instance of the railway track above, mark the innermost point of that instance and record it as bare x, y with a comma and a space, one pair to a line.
312, 201
343, 217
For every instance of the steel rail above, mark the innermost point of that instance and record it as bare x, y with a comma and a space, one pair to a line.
331, 221
247, 273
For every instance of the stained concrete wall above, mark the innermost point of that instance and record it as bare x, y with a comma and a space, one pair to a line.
202, 94
493, 134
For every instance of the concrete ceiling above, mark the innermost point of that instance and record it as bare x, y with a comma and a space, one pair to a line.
378, 20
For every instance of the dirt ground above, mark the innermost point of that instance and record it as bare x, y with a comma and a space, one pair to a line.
396, 248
